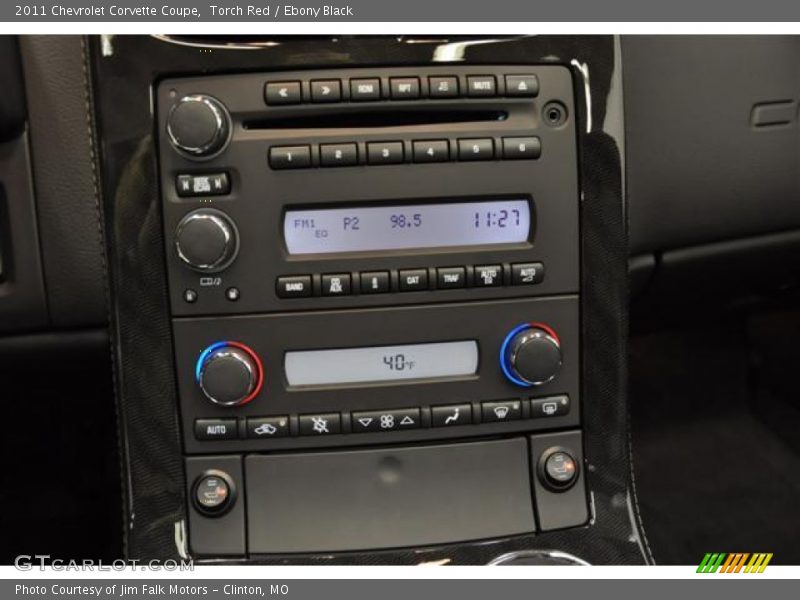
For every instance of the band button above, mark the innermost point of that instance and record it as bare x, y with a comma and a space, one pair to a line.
295, 286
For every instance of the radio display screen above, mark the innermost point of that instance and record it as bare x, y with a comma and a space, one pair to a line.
409, 227
381, 363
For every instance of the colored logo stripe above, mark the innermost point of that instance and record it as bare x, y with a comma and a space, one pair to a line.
734, 562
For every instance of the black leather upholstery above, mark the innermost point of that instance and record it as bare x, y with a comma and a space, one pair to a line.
66, 182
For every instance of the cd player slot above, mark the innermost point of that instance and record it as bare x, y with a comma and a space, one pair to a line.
383, 118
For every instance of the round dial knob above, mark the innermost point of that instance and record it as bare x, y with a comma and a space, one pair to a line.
199, 126
206, 240
531, 355
229, 373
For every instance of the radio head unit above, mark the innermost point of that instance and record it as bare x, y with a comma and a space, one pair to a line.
313, 190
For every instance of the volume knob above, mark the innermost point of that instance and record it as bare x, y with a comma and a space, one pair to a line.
206, 240
199, 126
531, 355
229, 373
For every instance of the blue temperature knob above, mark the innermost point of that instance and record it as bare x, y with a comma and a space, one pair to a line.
531, 355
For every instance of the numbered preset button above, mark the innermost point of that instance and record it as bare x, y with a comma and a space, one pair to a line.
290, 157
515, 148
476, 149
338, 155
384, 153
427, 151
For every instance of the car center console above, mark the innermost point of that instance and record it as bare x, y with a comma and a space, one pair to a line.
373, 291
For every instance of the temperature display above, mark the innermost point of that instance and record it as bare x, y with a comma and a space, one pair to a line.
376, 228
381, 363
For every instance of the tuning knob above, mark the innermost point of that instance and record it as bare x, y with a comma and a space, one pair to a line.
229, 373
199, 126
531, 355
206, 240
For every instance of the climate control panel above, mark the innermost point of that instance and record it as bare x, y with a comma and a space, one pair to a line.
385, 375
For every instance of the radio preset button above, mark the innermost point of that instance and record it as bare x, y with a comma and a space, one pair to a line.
290, 157
476, 149
527, 273
413, 280
443, 87
385, 420
326, 91
499, 412
404, 88
384, 153
365, 89
338, 155
326, 424
481, 85
517, 148
267, 427
427, 151
554, 406
448, 278
215, 429
522, 85
295, 286
488, 276
375, 282
451, 415
283, 92
336, 284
